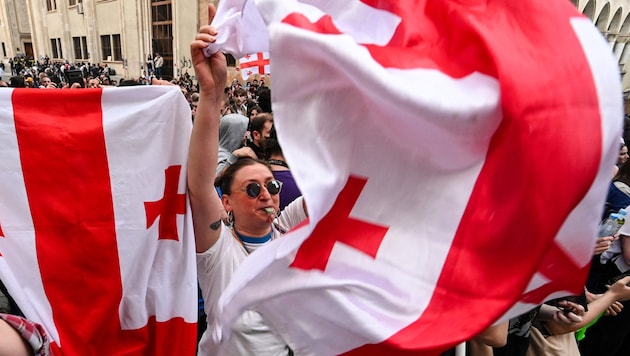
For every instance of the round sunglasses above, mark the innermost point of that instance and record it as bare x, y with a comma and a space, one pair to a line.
254, 189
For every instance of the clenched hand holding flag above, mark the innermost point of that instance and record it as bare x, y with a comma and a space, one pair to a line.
454, 155
97, 241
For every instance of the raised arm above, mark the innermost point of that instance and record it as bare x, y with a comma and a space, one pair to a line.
619, 291
211, 74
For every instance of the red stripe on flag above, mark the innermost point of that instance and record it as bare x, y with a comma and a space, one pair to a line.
259, 62
529, 182
66, 173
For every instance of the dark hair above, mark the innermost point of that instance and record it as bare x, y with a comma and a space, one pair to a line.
225, 180
258, 122
128, 83
240, 92
623, 175
272, 146
17, 82
252, 108
264, 98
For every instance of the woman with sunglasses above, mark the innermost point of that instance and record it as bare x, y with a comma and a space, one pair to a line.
250, 199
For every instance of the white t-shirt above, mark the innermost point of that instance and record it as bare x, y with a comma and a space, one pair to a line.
215, 267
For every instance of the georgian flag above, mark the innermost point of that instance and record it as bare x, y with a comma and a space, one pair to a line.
252, 64
455, 158
97, 242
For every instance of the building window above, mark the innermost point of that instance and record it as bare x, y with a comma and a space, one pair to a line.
80, 47
106, 47
4, 50
162, 33
111, 47
86, 55
51, 5
55, 44
116, 47
74, 2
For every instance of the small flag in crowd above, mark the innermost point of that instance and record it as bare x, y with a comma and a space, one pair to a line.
434, 166
97, 242
252, 64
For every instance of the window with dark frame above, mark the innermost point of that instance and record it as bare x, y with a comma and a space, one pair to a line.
4, 50
76, 42
162, 33
106, 46
116, 48
51, 5
111, 47
80, 47
86, 55
53, 46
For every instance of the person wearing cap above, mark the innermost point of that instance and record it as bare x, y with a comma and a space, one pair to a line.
29, 82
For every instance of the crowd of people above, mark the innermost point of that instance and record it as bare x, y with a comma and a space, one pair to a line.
597, 322
243, 196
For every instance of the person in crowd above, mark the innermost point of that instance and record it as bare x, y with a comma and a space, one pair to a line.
232, 129
619, 190
610, 335
253, 111
17, 82
194, 102
29, 82
158, 63
281, 170
46, 83
149, 64
94, 83
623, 155
264, 98
259, 130
240, 101
250, 199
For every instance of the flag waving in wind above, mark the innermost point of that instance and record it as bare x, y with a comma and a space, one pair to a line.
453, 173
251, 64
97, 242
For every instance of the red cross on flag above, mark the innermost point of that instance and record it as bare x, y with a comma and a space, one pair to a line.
98, 244
252, 64
440, 135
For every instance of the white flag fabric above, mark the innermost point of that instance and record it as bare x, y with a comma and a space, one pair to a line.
252, 64
97, 243
243, 30
455, 159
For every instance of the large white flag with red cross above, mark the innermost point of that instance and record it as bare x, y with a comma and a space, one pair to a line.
97, 241
454, 155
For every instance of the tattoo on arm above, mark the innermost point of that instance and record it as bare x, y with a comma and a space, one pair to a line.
215, 225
